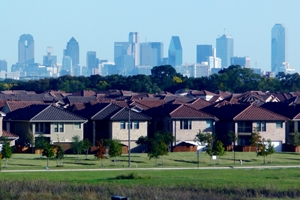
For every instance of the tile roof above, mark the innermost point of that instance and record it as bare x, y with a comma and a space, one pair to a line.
15, 105
291, 111
123, 114
254, 113
184, 111
9, 134
106, 112
198, 103
43, 113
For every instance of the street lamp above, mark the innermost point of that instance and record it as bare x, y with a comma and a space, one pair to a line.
129, 122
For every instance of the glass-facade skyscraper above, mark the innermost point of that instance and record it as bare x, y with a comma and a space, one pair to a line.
175, 52
277, 47
72, 50
26, 49
204, 51
225, 49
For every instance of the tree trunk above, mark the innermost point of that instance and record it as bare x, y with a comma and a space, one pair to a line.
6, 162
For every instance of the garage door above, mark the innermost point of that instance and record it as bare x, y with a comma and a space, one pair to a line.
277, 145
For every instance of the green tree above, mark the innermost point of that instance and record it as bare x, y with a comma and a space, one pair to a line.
86, 145
48, 152
40, 142
206, 139
296, 141
76, 145
219, 149
255, 139
115, 149
60, 154
6, 151
158, 144
270, 148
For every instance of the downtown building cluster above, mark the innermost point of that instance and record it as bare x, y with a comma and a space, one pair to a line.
134, 57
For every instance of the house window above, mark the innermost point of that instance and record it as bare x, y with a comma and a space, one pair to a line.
77, 125
122, 125
209, 124
279, 124
261, 126
245, 127
136, 125
59, 127
130, 125
185, 124
39, 127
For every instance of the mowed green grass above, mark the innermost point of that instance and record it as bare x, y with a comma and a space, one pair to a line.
275, 179
140, 160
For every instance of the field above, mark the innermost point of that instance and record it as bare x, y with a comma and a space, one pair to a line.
102, 179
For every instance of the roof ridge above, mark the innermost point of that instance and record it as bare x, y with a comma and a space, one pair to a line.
176, 108
40, 112
118, 112
102, 108
248, 107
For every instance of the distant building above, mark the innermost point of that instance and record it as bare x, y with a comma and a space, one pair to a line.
123, 58
3, 65
204, 51
225, 49
26, 49
72, 50
134, 40
151, 54
277, 47
175, 52
67, 67
92, 63
49, 60
242, 61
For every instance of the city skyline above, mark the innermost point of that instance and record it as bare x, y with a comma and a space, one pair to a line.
100, 24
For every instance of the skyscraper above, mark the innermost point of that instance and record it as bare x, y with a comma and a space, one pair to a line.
204, 51
277, 47
49, 59
123, 58
26, 49
175, 52
225, 49
151, 53
92, 62
3, 65
242, 61
134, 40
72, 50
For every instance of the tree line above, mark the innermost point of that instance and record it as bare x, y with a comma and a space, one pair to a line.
163, 78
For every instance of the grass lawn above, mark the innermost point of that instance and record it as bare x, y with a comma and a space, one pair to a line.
246, 183
140, 160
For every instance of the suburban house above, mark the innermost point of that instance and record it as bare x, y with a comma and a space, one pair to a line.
183, 121
243, 119
110, 121
5, 134
56, 124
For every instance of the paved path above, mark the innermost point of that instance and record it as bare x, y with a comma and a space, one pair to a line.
154, 168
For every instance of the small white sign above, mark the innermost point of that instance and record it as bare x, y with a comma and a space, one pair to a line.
214, 157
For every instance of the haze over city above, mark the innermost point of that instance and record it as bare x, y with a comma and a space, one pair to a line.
96, 25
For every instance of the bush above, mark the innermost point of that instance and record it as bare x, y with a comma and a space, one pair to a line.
132, 175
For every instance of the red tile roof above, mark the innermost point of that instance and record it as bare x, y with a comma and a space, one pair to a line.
184, 111
256, 113
8, 134
15, 105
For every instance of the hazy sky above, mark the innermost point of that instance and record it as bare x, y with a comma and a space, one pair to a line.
97, 24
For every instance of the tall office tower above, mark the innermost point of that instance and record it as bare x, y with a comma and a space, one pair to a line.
204, 51
49, 59
92, 63
151, 54
242, 61
72, 50
26, 49
175, 52
277, 47
134, 40
123, 58
225, 49
67, 66
3, 65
